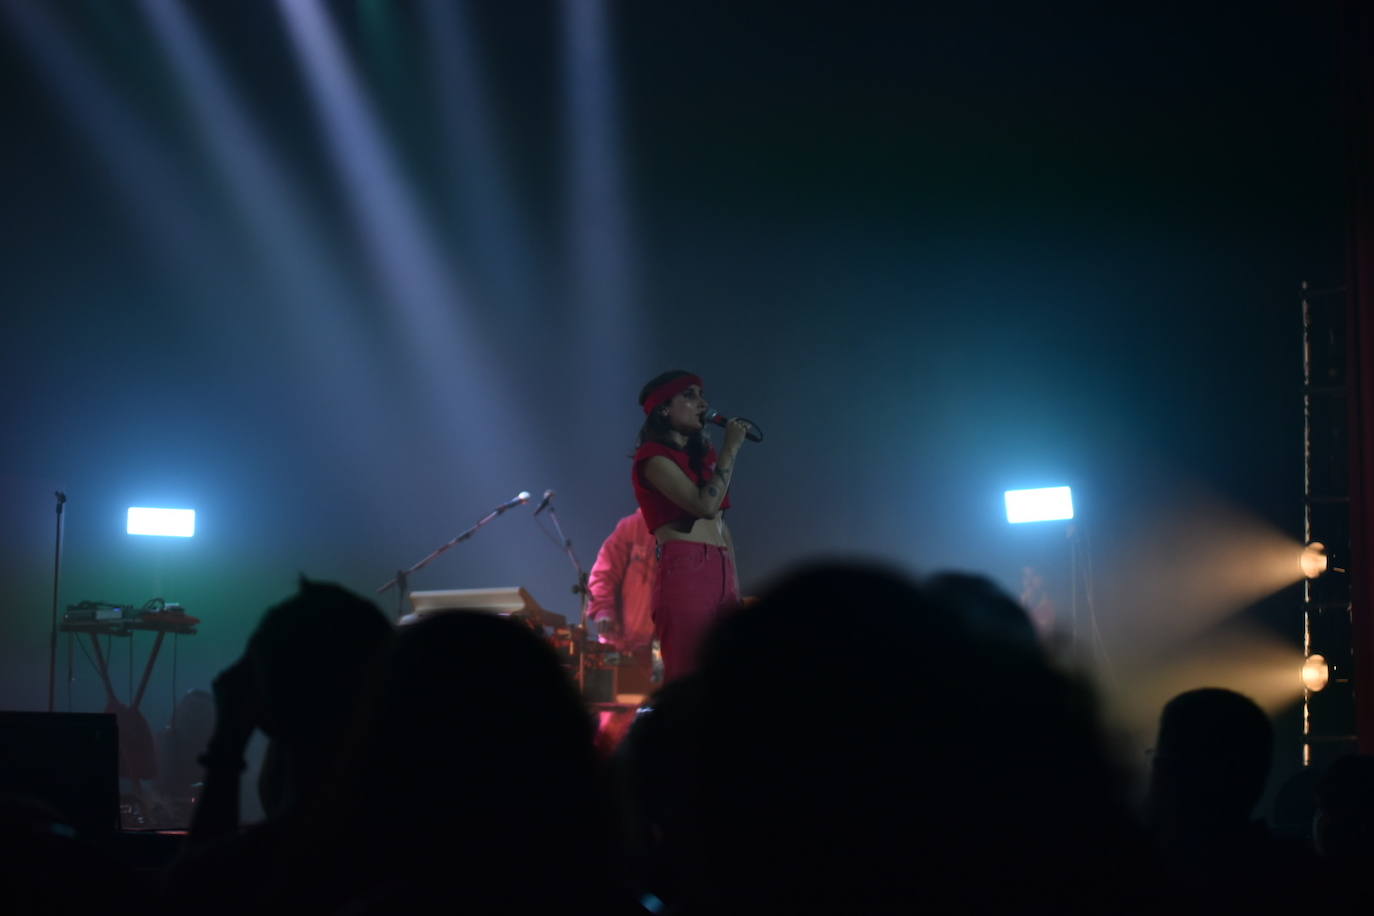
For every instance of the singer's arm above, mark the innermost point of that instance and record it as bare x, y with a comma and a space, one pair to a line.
668, 479
700, 501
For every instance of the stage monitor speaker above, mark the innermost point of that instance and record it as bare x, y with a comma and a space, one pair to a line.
70, 760
621, 684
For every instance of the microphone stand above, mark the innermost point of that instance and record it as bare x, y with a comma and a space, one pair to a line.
580, 589
401, 580
56, 572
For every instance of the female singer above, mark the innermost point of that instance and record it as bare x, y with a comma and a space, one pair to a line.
681, 485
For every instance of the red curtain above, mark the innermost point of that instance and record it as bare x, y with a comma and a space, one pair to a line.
1358, 53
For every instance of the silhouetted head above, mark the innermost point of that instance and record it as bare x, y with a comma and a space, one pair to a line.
477, 752
1211, 758
864, 746
311, 653
989, 612
476, 721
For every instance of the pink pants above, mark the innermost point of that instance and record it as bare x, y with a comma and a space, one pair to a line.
695, 583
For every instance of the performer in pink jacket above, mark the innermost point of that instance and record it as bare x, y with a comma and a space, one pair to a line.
621, 587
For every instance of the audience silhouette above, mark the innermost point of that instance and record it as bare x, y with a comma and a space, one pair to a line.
1344, 823
1343, 830
855, 741
299, 681
866, 745
1209, 768
473, 784
651, 770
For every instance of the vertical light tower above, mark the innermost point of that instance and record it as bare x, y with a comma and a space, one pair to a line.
1328, 707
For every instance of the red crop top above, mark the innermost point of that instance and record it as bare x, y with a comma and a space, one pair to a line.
656, 508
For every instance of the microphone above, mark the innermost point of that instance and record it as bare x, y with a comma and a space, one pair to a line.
753, 435
522, 497
544, 503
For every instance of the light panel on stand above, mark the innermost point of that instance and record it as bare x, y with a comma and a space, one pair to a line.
174, 523
1046, 504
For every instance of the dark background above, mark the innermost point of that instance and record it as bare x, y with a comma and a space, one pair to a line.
936, 251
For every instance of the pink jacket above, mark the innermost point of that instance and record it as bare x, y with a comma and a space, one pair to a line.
621, 583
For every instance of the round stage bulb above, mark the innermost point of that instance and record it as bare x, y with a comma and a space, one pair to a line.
1315, 673
1313, 560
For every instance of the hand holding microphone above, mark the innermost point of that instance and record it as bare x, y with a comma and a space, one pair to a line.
751, 429
736, 430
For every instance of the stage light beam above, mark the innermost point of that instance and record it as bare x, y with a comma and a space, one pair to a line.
276, 219
1238, 656
160, 198
409, 261
1181, 562
484, 195
598, 230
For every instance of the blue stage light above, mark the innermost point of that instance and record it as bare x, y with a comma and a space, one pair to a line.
1045, 504
175, 523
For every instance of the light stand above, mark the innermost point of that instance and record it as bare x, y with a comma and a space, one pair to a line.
1053, 504
1086, 634
56, 574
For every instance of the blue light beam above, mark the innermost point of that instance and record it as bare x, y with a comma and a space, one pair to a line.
596, 232
491, 214
456, 375
277, 221
157, 194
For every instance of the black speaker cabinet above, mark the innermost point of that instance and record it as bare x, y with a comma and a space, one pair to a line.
70, 760
616, 684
